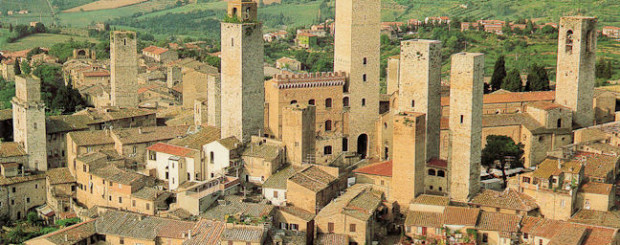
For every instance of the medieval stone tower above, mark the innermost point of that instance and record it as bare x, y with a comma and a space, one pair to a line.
420, 86
356, 52
408, 162
466, 90
575, 73
298, 132
124, 69
29, 121
243, 96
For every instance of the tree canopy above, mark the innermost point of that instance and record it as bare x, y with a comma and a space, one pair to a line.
499, 73
513, 82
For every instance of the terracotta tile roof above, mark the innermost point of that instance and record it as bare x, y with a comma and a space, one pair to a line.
332, 239
195, 140
511, 97
172, 150
359, 202
116, 175
11, 149
141, 227
143, 89
424, 219
549, 167
88, 138
154, 50
19, 179
297, 212
499, 222
600, 235
244, 233
149, 134
380, 168
96, 74
278, 180
434, 200
546, 105
537, 226
569, 235
151, 194
598, 165
206, 232
235, 205
110, 113
66, 123
69, 235
438, 163
597, 188
313, 178
268, 151
596, 218
461, 216
230, 143
59, 176
507, 199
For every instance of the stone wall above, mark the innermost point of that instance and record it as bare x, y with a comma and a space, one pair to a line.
124, 68
408, 162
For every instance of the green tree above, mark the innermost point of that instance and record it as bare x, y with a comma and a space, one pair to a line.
16, 69
513, 82
502, 149
33, 218
499, 73
506, 29
25, 66
537, 79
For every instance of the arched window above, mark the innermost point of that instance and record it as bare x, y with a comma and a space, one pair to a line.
431, 172
328, 103
345, 101
559, 122
441, 173
293, 102
328, 125
327, 150
569, 41
311, 102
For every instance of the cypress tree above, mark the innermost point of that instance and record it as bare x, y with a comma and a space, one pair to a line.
512, 82
499, 73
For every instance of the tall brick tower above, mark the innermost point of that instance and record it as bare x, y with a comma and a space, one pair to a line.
466, 90
356, 52
124, 69
29, 120
408, 162
242, 106
420, 86
575, 73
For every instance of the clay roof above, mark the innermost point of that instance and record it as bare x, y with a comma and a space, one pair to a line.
230, 143
597, 188
511, 97
546, 105
313, 178
149, 134
147, 88
596, 218
267, 151
154, 50
537, 226
141, 227
359, 202
95, 137
380, 168
150, 193
435, 200
11, 149
117, 175
424, 219
278, 180
172, 149
20, 179
235, 205
105, 114
244, 233
66, 123
461, 216
196, 139
298, 212
69, 235
507, 199
439, 163
332, 239
598, 165
569, 235
549, 167
499, 222
205, 232
59, 176
96, 74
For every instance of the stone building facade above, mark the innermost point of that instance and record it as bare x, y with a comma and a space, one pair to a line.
409, 161
242, 72
124, 68
21, 194
466, 91
29, 121
575, 71
356, 52
298, 132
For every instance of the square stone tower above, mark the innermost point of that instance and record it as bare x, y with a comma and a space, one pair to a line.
298, 132
575, 73
29, 120
393, 71
243, 96
408, 163
356, 52
420, 86
124, 69
214, 101
466, 90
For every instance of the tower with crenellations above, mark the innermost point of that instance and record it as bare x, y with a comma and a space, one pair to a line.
356, 52
466, 90
419, 88
124, 69
575, 70
29, 121
242, 77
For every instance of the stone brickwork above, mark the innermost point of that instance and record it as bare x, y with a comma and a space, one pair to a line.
356, 52
200, 112
408, 163
393, 71
214, 100
575, 72
29, 121
173, 76
195, 86
420, 86
466, 90
298, 132
242, 74
124, 69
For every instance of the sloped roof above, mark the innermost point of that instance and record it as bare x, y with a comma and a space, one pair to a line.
597, 188
278, 180
195, 140
298, 212
69, 235
312, 178
435, 200
59, 176
116, 175
507, 199
235, 205
230, 142
66, 123
172, 149
359, 202
149, 134
380, 168
11, 149
137, 226
511, 97
243, 233
596, 218
424, 219
490, 221
20, 179
461, 216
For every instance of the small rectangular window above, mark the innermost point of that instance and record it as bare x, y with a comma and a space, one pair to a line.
352, 228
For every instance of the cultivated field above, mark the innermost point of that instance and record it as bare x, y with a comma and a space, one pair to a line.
103, 4
40, 40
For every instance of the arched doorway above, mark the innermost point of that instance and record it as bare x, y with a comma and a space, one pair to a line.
362, 145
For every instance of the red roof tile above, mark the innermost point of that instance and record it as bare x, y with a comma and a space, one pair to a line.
437, 163
171, 149
380, 168
511, 97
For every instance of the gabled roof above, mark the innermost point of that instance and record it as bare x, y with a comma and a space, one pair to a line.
461, 216
597, 188
244, 233
172, 149
424, 219
59, 176
141, 227
196, 139
596, 218
278, 180
507, 199
511, 97
434, 200
490, 221
11, 149
313, 178
380, 168
359, 202
69, 235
